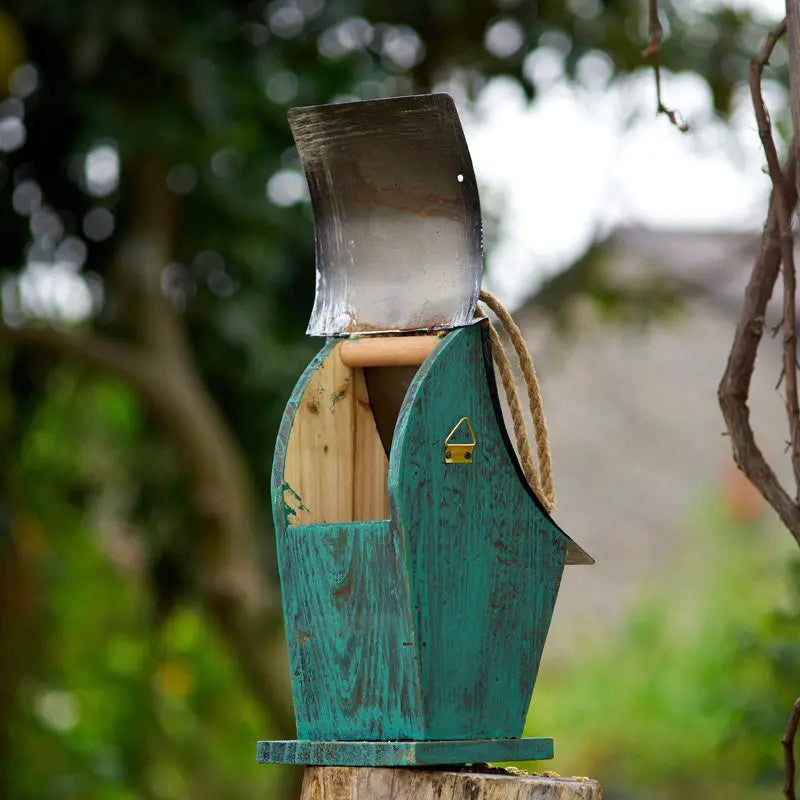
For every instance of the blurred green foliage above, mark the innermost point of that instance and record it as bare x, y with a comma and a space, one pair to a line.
111, 704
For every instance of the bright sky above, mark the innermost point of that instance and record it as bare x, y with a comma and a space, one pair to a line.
580, 161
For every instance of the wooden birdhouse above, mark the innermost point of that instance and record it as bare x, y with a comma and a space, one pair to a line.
419, 569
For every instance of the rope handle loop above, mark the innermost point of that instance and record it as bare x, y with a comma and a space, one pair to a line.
541, 479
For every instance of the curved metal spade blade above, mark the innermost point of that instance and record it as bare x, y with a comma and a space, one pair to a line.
397, 215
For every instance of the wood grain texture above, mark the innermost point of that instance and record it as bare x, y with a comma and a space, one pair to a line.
348, 623
484, 560
392, 754
334, 467
354, 783
387, 351
370, 463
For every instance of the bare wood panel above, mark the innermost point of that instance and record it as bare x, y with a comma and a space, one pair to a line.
370, 464
336, 469
319, 457
358, 783
387, 351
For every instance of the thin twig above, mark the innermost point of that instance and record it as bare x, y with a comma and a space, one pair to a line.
784, 212
788, 751
652, 53
775, 329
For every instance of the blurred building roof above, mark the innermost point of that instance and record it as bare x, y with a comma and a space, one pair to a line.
637, 436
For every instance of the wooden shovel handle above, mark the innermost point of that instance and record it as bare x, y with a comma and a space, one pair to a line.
387, 351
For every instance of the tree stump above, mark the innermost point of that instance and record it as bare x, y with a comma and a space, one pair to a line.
384, 783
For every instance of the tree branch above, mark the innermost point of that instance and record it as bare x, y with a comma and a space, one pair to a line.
788, 751
144, 251
784, 211
108, 355
227, 566
776, 244
792, 21
734, 387
652, 53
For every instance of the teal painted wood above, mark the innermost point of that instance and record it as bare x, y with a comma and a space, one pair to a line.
484, 560
349, 628
402, 754
337, 580
428, 626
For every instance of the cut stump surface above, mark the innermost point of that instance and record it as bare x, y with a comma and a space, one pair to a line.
381, 783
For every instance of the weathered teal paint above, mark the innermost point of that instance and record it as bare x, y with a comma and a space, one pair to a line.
352, 651
484, 561
292, 503
402, 754
430, 625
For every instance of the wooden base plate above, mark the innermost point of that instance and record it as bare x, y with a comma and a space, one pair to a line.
403, 754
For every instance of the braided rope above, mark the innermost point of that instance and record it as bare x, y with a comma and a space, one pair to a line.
541, 479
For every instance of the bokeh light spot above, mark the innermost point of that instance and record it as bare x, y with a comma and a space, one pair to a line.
350, 35
595, 70
402, 47
27, 198
286, 187
46, 226
57, 710
226, 163
282, 87
585, 9
72, 251
285, 20
23, 81
182, 179
12, 134
98, 224
504, 38
220, 283
101, 170
544, 67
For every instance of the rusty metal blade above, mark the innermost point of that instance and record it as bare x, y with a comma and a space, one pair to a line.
396, 211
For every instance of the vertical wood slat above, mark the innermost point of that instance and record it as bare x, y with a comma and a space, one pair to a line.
336, 468
370, 464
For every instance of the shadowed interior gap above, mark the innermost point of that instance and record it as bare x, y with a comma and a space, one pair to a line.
387, 388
